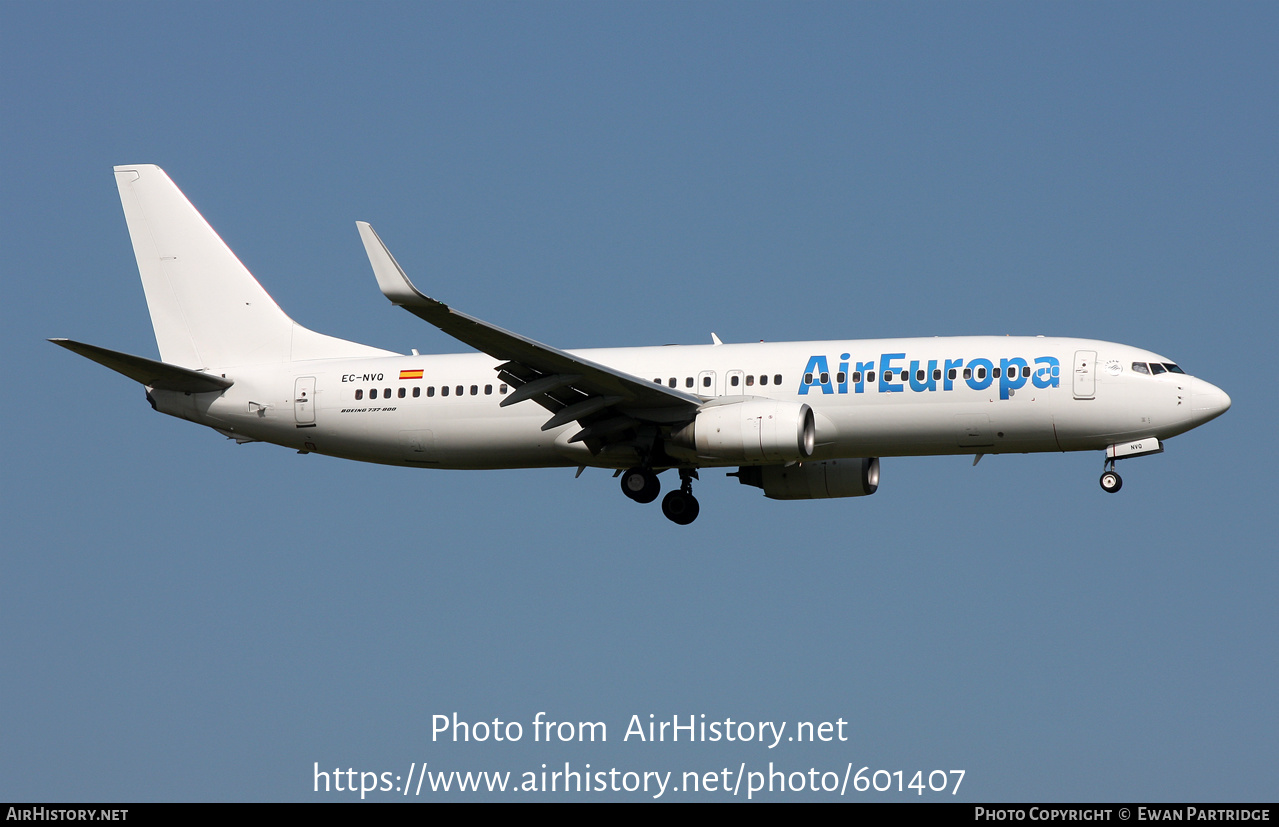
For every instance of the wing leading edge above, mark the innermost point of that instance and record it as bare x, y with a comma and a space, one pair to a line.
610, 404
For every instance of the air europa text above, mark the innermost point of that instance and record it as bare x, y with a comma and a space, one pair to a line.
895, 373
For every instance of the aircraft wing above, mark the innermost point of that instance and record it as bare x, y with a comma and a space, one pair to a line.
605, 400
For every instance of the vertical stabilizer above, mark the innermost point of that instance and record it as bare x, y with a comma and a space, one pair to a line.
206, 307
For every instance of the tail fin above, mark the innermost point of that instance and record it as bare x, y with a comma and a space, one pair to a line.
206, 307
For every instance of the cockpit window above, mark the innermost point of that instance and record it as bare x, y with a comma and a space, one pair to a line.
1173, 368
1140, 367
1156, 368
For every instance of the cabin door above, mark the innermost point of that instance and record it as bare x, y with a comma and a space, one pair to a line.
1085, 374
304, 401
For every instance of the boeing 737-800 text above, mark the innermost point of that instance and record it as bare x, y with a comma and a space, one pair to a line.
801, 420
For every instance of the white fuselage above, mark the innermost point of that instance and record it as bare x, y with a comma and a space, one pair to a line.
1007, 394
800, 420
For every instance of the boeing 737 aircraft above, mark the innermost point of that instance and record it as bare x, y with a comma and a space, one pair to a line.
801, 420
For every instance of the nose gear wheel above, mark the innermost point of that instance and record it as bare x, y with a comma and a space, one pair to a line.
1110, 480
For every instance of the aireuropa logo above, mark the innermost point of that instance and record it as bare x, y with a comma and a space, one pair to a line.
926, 376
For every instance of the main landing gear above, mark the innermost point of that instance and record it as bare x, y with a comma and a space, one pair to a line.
641, 485
680, 506
1110, 480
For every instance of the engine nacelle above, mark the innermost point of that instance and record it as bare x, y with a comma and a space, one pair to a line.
753, 430
814, 480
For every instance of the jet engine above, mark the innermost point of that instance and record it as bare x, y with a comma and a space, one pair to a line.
814, 480
753, 430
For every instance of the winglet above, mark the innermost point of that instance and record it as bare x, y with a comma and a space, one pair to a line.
391, 280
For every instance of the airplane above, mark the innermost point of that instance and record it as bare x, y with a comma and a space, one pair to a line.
799, 420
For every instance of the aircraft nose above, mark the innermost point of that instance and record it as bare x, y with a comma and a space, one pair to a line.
1207, 401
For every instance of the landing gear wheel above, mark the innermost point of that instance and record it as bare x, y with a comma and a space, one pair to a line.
641, 485
680, 507
1111, 482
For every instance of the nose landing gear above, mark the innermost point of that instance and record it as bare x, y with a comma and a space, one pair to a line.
1110, 480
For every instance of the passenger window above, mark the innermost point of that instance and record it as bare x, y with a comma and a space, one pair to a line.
1156, 368
808, 379
688, 381
1025, 372
919, 375
841, 377
777, 379
671, 382
952, 373
825, 378
888, 376
981, 373
502, 389
372, 393
402, 393
735, 380
995, 373
857, 376
488, 390
750, 380
417, 392
968, 373
444, 390
657, 381
870, 376
763, 378
359, 394
475, 390
706, 381
1140, 367
460, 390
386, 394
936, 374
430, 391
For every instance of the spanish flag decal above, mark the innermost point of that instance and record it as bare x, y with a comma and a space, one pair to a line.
410, 374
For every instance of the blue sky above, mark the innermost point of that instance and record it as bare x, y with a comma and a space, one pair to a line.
187, 619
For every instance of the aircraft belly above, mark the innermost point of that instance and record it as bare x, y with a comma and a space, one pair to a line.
1123, 408
890, 430
938, 428
494, 442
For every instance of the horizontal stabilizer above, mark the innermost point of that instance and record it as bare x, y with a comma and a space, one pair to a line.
148, 371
